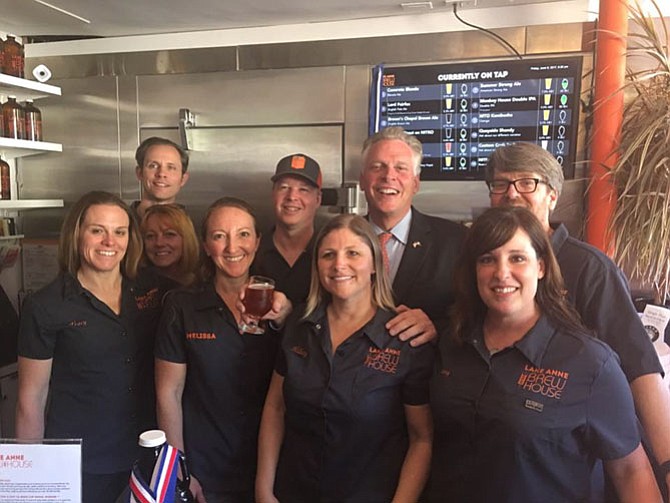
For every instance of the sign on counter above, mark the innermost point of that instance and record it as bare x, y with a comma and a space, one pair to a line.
38, 473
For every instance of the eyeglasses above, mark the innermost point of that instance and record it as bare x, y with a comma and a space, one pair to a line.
522, 185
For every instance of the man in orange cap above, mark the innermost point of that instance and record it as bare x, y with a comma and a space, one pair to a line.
285, 252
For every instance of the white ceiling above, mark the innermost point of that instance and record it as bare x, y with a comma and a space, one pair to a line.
110, 18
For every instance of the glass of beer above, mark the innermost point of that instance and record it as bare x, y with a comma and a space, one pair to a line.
257, 302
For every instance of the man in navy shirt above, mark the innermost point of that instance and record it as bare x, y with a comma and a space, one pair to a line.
524, 174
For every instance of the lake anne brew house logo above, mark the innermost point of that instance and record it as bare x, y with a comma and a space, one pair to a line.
545, 382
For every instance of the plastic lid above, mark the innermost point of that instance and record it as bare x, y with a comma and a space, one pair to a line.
152, 438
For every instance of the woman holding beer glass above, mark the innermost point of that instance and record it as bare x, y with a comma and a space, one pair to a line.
211, 379
86, 341
524, 399
170, 243
347, 415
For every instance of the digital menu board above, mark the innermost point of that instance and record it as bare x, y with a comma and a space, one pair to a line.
462, 112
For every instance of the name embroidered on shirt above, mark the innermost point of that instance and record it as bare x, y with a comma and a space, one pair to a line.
546, 382
208, 336
300, 351
148, 300
78, 323
384, 360
533, 405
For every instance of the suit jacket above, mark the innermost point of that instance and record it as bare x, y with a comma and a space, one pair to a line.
425, 275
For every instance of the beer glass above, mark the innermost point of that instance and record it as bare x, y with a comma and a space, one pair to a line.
257, 302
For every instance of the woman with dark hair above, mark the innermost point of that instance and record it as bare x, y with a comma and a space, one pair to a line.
211, 379
86, 340
346, 417
170, 243
524, 399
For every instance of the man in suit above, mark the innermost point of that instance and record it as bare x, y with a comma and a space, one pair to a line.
421, 249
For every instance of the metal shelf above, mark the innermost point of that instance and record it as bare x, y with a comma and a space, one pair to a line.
26, 89
12, 149
30, 204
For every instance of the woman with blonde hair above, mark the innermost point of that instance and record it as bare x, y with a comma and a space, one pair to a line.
170, 243
346, 417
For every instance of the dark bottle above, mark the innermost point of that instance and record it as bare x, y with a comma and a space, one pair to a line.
2, 55
33, 121
152, 441
14, 120
13, 57
5, 191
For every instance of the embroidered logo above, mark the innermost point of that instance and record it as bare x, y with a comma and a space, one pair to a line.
300, 351
78, 323
200, 336
445, 373
148, 300
384, 360
545, 382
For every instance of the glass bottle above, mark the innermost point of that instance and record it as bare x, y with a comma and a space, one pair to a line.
2, 55
152, 441
14, 120
13, 57
33, 121
5, 191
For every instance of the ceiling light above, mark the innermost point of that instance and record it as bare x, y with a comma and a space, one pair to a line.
417, 5
66, 12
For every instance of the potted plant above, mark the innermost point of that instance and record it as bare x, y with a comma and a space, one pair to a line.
640, 225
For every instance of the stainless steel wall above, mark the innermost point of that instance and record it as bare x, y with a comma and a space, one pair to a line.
253, 105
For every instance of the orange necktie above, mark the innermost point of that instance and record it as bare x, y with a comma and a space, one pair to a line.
383, 239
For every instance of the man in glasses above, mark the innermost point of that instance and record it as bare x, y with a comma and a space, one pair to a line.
524, 174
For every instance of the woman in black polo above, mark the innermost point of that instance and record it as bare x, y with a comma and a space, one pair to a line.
346, 418
524, 399
211, 380
86, 341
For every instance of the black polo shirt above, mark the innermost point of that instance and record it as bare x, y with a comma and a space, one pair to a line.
527, 423
292, 281
599, 291
227, 379
345, 431
102, 387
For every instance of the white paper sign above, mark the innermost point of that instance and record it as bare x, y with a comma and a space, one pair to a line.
655, 319
40, 473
